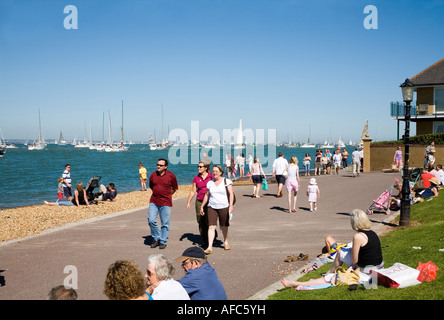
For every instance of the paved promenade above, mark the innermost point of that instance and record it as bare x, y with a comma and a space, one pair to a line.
261, 236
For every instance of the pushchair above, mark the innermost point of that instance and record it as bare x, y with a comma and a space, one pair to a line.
92, 184
382, 203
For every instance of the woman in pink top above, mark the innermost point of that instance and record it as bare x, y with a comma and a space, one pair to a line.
199, 189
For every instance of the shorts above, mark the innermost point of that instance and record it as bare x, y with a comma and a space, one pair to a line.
317, 165
280, 178
221, 214
230, 169
257, 178
292, 184
337, 165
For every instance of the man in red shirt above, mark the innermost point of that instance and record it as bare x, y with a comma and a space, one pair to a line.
163, 184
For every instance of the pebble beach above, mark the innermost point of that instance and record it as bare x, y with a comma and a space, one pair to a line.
26, 221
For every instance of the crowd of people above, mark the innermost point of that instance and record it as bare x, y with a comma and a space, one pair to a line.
214, 204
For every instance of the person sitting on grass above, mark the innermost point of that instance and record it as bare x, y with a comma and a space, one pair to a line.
430, 192
365, 253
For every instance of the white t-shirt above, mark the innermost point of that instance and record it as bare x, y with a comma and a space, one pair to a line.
356, 156
218, 194
279, 165
337, 158
170, 290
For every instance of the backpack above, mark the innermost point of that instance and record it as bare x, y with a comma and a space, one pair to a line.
228, 194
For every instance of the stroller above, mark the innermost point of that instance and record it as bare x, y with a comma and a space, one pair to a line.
92, 184
382, 203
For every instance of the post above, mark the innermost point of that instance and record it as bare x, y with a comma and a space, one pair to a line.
405, 200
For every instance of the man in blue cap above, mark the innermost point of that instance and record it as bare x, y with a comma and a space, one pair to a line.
201, 280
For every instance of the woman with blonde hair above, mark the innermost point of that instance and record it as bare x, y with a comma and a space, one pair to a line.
257, 174
80, 197
365, 252
292, 182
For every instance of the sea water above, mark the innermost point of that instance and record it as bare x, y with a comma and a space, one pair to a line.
28, 177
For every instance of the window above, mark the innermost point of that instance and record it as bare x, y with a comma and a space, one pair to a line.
438, 127
439, 99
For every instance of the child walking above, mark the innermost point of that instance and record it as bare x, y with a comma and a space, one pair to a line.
143, 177
313, 194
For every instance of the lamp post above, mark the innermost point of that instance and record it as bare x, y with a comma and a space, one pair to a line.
407, 95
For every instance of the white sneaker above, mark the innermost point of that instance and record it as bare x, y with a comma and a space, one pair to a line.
316, 208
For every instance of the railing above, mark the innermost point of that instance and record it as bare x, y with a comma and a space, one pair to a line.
397, 109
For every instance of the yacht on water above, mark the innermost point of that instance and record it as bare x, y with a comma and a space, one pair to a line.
40, 144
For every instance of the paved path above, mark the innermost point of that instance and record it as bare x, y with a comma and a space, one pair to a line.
261, 235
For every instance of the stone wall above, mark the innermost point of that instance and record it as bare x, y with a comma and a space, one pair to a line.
382, 156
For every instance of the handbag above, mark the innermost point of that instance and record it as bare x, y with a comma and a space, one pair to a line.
264, 185
228, 194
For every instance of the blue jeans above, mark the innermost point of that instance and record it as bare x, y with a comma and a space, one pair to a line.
165, 214
307, 168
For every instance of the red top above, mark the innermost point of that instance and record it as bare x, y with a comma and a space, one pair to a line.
162, 187
425, 177
201, 185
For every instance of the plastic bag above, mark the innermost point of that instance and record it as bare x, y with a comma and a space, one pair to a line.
345, 277
427, 271
264, 184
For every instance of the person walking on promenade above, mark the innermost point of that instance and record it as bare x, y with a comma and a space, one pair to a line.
201, 280
250, 163
163, 184
337, 159
229, 166
199, 188
430, 155
397, 158
67, 187
306, 162
292, 183
356, 162
344, 159
256, 175
313, 194
220, 199
318, 158
279, 166
143, 177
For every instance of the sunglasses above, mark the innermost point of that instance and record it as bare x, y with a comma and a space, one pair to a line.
161, 165
201, 166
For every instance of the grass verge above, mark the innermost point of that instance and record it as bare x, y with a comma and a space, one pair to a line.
426, 231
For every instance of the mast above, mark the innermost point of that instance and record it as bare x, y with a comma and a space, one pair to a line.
121, 128
103, 128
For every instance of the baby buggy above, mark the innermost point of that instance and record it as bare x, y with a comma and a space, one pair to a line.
92, 184
382, 203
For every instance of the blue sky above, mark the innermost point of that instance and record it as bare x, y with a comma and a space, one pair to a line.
300, 67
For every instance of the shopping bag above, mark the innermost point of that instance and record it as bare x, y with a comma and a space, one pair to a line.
427, 271
264, 184
397, 276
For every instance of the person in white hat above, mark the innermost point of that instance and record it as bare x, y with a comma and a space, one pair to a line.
313, 194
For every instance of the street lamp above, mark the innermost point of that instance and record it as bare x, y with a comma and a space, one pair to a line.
408, 89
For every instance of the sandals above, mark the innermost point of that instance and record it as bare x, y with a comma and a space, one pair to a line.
302, 257
290, 259
208, 251
227, 247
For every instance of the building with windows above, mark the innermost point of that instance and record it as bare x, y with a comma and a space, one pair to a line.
428, 110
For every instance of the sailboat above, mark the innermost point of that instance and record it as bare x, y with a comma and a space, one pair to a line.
159, 145
239, 139
340, 143
62, 140
121, 146
308, 144
326, 145
40, 144
85, 143
2, 144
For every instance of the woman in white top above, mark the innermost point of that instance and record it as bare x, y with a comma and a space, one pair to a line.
161, 284
220, 206
292, 182
256, 175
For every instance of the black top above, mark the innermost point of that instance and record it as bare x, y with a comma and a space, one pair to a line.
371, 253
81, 198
